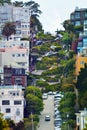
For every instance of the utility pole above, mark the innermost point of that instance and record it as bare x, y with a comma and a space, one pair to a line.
32, 121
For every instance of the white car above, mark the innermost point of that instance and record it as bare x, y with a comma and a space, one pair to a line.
47, 118
45, 96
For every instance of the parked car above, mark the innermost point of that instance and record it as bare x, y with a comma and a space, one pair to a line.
45, 96
50, 93
57, 122
39, 42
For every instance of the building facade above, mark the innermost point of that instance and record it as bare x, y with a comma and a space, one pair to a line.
78, 16
20, 16
81, 59
14, 56
12, 102
14, 76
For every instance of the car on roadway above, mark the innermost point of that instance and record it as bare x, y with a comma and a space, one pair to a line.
47, 118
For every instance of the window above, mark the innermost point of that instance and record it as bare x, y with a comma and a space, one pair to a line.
18, 32
17, 111
80, 44
82, 62
17, 94
22, 26
85, 26
85, 21
85, 32
18, 71
85, 42
72, 16
77, 23
77, 15
5, 102
2, 93
14, 94
85, 14
8, 110
7, 117
18, 55
13, 55
25, 10
23, 55
23, 64
24, 32
17, 102
21, 44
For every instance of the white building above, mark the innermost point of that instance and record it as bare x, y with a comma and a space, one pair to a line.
12, 102
19, 15
13, 43
15, 56
81, 119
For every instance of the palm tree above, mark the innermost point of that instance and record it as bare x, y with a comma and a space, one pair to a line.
33, 8
35, 12
9, 29
18, 4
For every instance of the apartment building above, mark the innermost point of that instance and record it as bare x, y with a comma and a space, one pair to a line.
12, 102
78, 16
19, 15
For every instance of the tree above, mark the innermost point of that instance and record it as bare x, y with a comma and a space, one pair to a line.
33, 8
33, 104
66, 38
82, 87
77, 30
9, 29
1, 121
68, 26
85, 127
35, 24
33, 90
67, 104
18, 3
19, 126
4, 124
41, 83
82, 79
